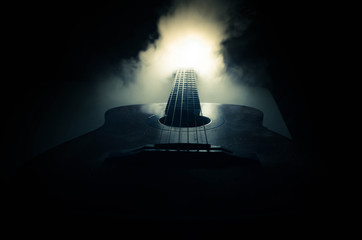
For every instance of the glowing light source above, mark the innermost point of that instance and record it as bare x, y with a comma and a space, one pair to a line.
190, 51
187, 39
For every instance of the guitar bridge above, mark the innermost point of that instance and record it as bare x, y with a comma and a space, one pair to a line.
184, 155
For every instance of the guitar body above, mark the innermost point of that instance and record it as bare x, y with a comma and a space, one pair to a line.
111, 171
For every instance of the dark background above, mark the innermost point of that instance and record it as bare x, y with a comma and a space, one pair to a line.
59, 42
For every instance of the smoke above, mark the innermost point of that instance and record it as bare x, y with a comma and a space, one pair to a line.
191, 25
191, 34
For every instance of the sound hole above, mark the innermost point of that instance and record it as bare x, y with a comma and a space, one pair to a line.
194, 122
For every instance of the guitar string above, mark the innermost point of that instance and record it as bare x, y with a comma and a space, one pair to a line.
174, 109
168, 107
193, 102
206, 140
188, 109
181, 75
182, 100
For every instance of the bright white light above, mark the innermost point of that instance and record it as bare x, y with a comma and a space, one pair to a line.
187, 39
191, 51
196, 51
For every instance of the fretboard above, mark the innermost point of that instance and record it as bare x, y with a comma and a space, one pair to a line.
183, 106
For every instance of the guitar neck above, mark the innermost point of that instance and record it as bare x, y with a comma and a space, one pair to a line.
183, 105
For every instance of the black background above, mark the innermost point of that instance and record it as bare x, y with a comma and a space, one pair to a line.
46, 43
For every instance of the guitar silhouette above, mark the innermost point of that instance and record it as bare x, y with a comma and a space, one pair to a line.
177, 160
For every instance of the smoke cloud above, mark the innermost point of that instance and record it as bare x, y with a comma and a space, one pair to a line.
191, 34
194, 31
148, 78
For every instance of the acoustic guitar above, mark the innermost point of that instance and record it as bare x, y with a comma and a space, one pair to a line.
177, 160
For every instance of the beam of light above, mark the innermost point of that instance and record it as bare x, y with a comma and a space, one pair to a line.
199, 50
188, 38
190, 35
191, 51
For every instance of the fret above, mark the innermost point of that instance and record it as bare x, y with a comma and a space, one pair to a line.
183, 107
